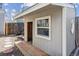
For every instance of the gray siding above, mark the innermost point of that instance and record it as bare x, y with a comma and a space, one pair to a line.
70, 37
53, 46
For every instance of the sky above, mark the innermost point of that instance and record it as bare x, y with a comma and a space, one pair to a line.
13, 8
77, 9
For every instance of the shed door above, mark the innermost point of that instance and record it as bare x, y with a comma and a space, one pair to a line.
29, 32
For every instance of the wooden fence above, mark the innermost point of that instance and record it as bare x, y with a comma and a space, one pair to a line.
14, 28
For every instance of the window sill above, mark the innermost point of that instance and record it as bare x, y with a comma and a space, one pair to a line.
43, 37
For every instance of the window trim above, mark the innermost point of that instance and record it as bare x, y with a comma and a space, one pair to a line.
49, 27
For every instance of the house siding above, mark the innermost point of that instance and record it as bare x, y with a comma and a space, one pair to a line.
53, 46
2, 23
70, 15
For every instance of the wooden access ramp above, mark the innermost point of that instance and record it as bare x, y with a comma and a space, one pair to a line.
29, 50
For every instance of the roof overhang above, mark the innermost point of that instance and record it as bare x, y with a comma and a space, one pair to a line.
41, 5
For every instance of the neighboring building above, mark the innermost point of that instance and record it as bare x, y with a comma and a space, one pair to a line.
19, 20
2, 21
50, 27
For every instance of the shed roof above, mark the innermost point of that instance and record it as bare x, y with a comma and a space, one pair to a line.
41, 5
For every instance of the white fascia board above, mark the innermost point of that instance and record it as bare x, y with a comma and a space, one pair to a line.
64, 39
64, 5
33, 8
41, 5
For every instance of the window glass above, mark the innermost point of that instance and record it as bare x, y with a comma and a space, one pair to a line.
43, 31
43, 23
43, 27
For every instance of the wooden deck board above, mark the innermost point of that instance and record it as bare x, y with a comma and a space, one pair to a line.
28, 49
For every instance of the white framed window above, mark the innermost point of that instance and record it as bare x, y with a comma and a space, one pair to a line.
43, 27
